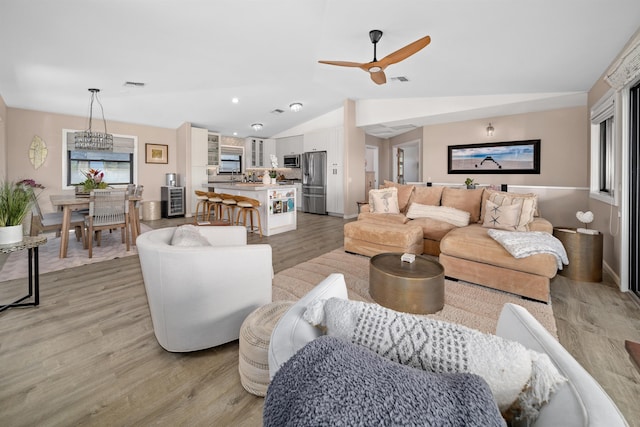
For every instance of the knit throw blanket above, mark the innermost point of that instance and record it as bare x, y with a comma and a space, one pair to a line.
522, 244
521, 380
331, 382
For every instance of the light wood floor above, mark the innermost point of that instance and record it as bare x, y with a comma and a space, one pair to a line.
87, 355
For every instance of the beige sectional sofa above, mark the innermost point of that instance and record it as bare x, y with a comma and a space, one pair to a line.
467, 252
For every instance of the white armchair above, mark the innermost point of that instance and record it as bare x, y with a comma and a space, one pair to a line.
199, 296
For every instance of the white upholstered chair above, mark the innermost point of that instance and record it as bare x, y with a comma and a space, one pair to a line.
199, 296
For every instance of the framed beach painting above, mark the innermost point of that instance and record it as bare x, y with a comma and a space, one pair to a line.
156, 153
495, 157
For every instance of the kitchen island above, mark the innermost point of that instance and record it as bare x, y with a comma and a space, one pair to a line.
277, 203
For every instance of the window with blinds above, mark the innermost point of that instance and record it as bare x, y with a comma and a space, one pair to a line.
118, 165
603, 165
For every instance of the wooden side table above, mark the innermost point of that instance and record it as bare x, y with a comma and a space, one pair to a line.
31, 243
584, 252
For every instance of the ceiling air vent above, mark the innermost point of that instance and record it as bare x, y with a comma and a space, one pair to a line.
277, 111
400, 79
133, 84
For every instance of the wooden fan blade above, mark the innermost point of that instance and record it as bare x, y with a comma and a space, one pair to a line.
379, 77
405, 52
343, 63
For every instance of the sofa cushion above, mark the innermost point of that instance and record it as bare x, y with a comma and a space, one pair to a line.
514, 373
397, 218
433, 229
474, 244
426, 195
404, 193
504, 217
372, 237
463, 199
452, 216
384, 200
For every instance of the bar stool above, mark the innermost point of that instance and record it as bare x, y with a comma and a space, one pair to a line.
202, 199
246, 206
228, 206
214, 201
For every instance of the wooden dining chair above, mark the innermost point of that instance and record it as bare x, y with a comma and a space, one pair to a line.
108, 210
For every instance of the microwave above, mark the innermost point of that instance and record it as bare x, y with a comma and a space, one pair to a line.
291, 160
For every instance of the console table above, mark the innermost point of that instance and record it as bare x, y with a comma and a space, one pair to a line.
31, 243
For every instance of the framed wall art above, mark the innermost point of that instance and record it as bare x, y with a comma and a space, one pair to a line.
496, 157
156, 153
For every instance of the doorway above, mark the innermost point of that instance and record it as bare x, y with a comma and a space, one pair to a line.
371, 166
410, 154
634, 189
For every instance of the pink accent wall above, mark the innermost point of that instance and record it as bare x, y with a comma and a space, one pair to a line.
22, 125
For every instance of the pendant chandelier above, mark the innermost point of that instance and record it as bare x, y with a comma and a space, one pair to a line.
90, 140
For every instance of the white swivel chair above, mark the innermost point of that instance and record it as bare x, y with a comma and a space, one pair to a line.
199, 296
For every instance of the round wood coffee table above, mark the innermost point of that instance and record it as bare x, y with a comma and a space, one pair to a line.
416, 287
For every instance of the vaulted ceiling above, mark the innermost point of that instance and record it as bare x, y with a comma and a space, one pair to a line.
195, 56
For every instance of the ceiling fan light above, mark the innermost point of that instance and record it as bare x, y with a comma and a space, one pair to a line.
295, 107
256, 126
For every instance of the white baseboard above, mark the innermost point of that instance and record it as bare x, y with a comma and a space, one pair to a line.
614, 275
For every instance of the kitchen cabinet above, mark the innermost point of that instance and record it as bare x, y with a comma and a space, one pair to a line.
316, 141
289, 145
198, 168
213, 149
258, 152
335, 170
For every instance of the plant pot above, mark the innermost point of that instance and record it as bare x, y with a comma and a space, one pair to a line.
274, 181
11, 234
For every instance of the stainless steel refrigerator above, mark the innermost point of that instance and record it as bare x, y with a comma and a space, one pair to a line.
314, 182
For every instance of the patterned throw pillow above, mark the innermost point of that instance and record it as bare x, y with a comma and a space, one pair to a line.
504, 217
529, 205
384, 200
520, 379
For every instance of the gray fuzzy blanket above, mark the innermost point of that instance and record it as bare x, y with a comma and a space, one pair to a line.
331, 382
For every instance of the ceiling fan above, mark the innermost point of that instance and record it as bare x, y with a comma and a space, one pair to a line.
376, 68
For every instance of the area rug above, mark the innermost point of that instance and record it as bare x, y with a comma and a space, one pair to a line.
465, 303
16, 265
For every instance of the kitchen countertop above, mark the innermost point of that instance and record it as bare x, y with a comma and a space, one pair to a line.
249, 186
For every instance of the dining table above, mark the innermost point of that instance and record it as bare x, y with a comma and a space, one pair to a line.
72, 202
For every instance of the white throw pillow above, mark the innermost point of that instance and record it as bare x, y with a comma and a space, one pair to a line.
384, 200
446, 214
189, 236
504, 217
520, 379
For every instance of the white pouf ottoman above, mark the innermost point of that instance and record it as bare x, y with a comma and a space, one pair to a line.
255, 334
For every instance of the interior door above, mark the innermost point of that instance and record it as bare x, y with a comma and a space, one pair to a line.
400, 166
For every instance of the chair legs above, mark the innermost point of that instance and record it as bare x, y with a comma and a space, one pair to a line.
249, 210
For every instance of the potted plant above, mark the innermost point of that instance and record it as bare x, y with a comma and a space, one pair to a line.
15, 204
469, 183
94, 181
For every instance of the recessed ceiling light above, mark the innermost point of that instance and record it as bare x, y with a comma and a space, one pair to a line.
235, 134
256, 126
235, 100
295, 107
